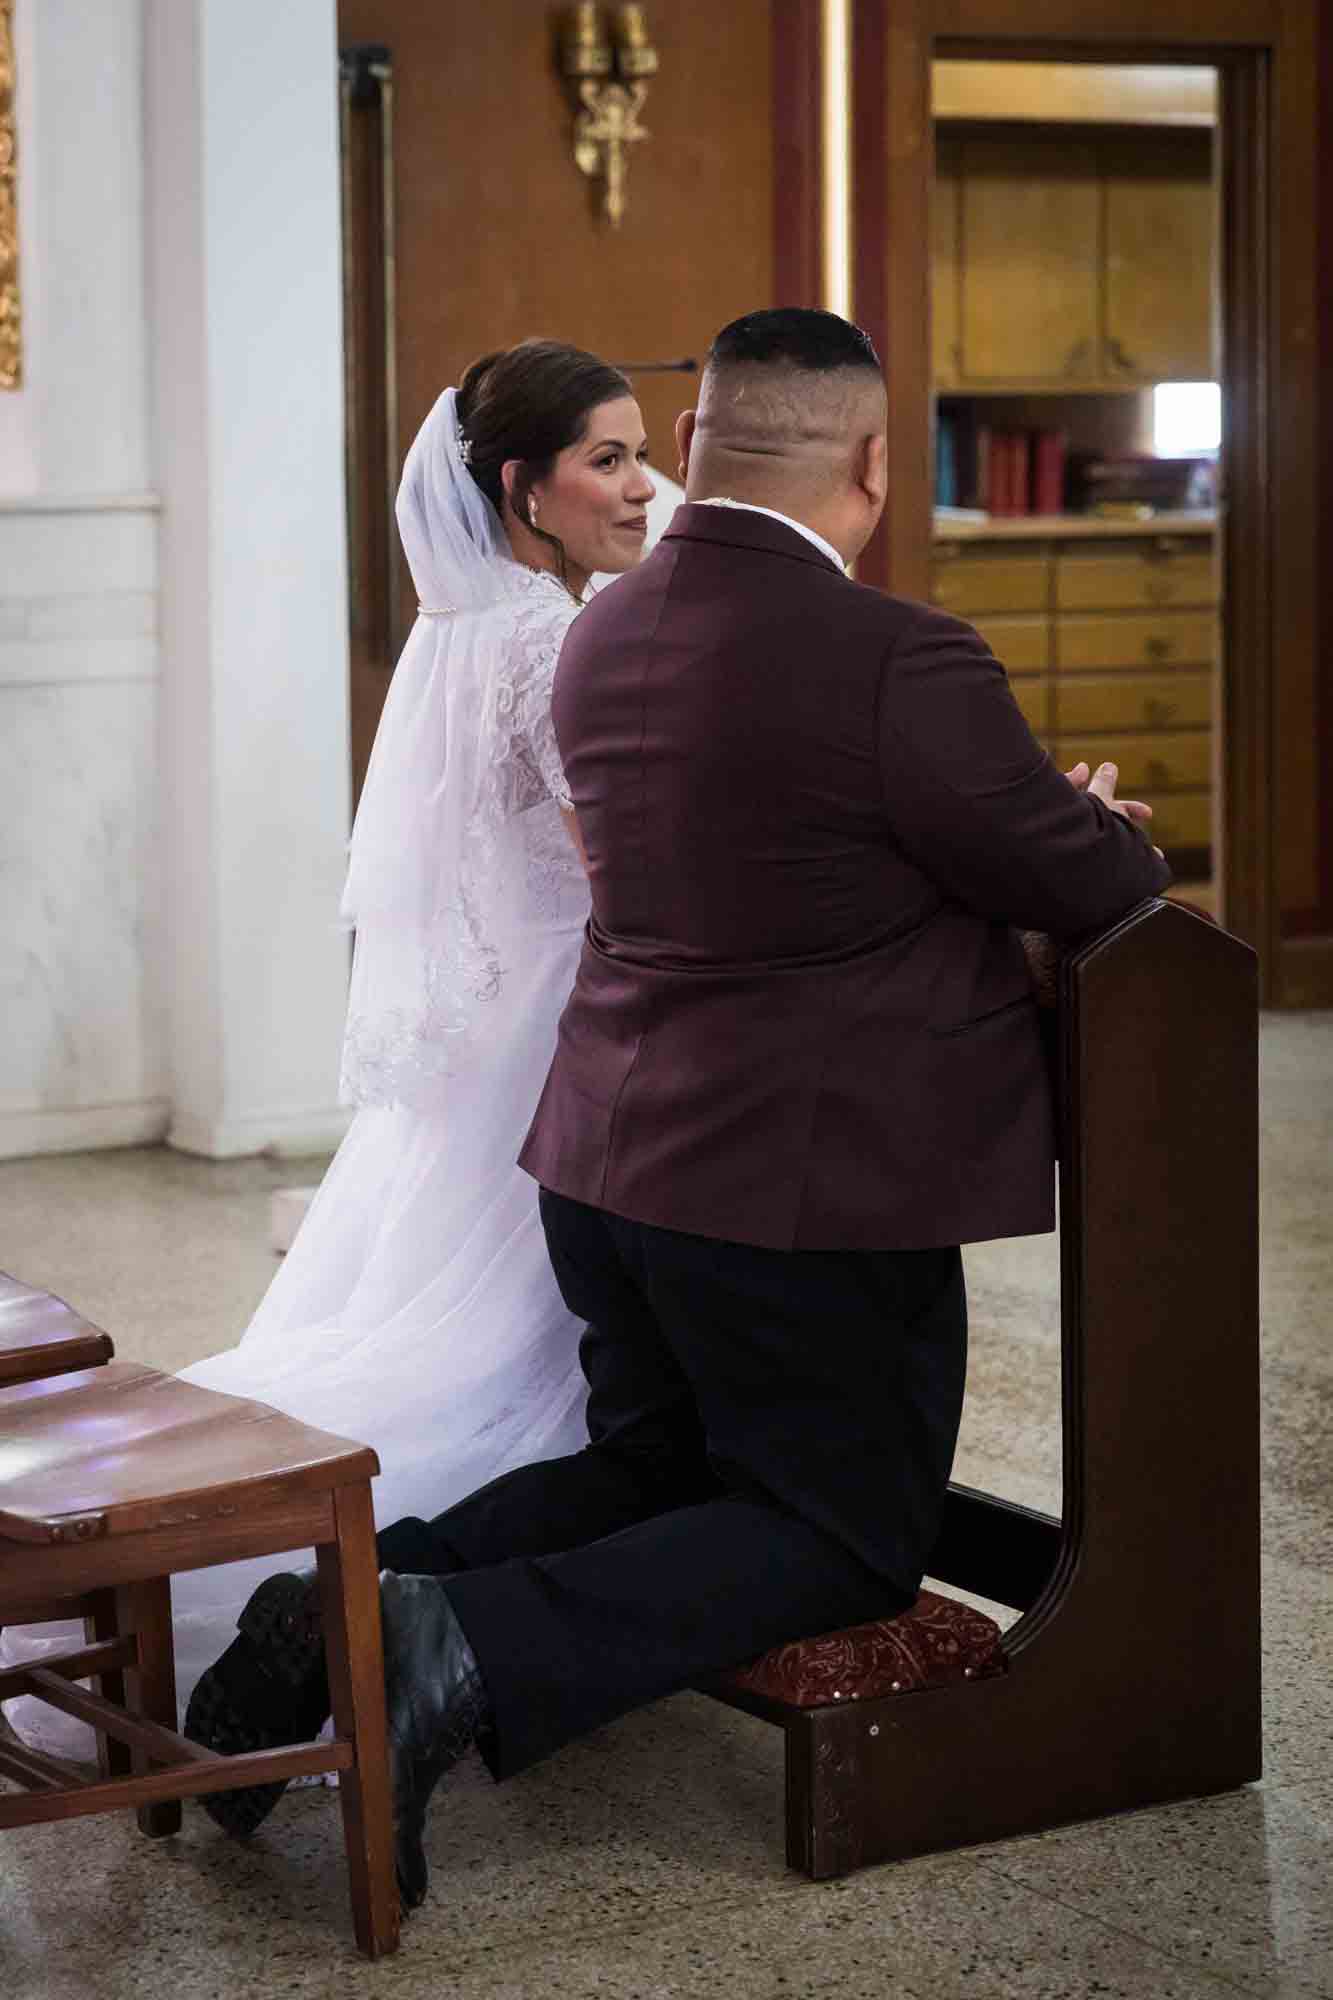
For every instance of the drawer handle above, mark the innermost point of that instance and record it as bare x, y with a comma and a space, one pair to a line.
1158, 712
1157, 773
1158, 649
1161, 585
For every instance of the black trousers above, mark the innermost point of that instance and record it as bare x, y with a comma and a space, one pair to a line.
770, 1437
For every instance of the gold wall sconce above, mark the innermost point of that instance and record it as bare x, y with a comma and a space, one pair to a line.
609, 60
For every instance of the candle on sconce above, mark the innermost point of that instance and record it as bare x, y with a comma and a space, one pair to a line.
585, 50
635, 54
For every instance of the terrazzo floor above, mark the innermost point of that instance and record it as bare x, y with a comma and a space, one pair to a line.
646, 1862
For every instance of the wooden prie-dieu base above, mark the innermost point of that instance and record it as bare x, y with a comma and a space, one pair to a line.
1132, 1676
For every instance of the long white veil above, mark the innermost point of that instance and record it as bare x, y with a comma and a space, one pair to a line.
426, 961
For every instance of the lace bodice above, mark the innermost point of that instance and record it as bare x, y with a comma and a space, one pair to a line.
541, 615
470, 870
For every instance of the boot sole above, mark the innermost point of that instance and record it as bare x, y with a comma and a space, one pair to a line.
276, 1625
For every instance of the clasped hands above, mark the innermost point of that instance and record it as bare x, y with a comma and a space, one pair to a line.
1042, 955
1101, 785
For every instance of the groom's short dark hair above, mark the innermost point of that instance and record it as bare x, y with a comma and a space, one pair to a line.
794, 337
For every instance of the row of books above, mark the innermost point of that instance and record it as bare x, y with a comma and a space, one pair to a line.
999, 471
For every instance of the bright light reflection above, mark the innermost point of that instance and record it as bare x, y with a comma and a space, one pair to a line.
837, 162
1186, 419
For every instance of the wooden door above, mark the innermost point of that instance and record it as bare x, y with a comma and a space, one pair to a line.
1030, 243
945, 273
1161, 226
499, 236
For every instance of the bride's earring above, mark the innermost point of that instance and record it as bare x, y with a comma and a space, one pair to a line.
532, 511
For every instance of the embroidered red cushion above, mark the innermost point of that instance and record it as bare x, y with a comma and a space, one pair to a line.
937, 1642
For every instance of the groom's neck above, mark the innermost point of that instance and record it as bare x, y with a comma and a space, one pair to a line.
825, 519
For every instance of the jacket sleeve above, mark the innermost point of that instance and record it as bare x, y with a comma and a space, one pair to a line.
976, 803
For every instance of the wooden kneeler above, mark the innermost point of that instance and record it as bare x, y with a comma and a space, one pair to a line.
1132, 1677
123, 1476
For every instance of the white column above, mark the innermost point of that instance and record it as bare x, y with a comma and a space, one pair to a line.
82, 1058
245, 292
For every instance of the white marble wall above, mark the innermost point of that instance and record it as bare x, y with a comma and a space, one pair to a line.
81, 1059
246, 313
173, 675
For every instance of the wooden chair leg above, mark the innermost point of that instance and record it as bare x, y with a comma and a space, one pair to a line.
349, 1589
145, 1610
102, 1622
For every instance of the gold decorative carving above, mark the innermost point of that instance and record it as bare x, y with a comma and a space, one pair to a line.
608, 123
11, 346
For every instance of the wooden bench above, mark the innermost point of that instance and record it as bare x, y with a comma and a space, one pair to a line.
1132, 1676
41, 1335
123, 1476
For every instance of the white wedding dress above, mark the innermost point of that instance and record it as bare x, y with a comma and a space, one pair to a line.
416, 1310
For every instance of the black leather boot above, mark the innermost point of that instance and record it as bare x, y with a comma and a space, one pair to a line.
270, 1687
437, 1707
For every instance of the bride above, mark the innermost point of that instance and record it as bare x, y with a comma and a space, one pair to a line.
416, 1310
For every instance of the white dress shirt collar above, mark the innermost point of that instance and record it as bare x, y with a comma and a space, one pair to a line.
825, 548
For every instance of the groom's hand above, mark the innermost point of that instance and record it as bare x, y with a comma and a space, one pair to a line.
1101, 785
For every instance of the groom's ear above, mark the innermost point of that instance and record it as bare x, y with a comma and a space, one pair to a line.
871, 470
684, 438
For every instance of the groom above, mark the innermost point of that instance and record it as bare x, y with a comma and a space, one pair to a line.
800, 1065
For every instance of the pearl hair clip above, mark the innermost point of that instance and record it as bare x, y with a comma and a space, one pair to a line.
465, 447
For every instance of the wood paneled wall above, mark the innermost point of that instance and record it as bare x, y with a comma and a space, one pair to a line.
499, 236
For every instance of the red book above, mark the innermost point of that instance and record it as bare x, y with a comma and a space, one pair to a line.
1020, 473
982, 468
1049, 476
1000, 475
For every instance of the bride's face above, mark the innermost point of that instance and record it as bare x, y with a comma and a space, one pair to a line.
596, 494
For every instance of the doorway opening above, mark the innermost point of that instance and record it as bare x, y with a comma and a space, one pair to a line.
1079, 419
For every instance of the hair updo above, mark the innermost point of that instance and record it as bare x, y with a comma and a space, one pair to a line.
529, 403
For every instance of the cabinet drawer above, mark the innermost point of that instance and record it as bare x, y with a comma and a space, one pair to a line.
1165, 763
1034, 698
1022, 645
1180, 819
981, 581
1134, 701
1175, 638
1155, 575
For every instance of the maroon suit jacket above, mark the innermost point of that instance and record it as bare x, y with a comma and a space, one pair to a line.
812, 814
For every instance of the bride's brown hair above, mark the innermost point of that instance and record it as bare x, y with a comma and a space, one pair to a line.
530, 402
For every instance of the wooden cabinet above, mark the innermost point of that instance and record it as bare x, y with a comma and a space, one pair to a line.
944, 227
990, 579
1110, 645
1159, 222
1157, 762
1166, 570
1029, 277
1089, 702
1073, 260
1135, 639
1024, 644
